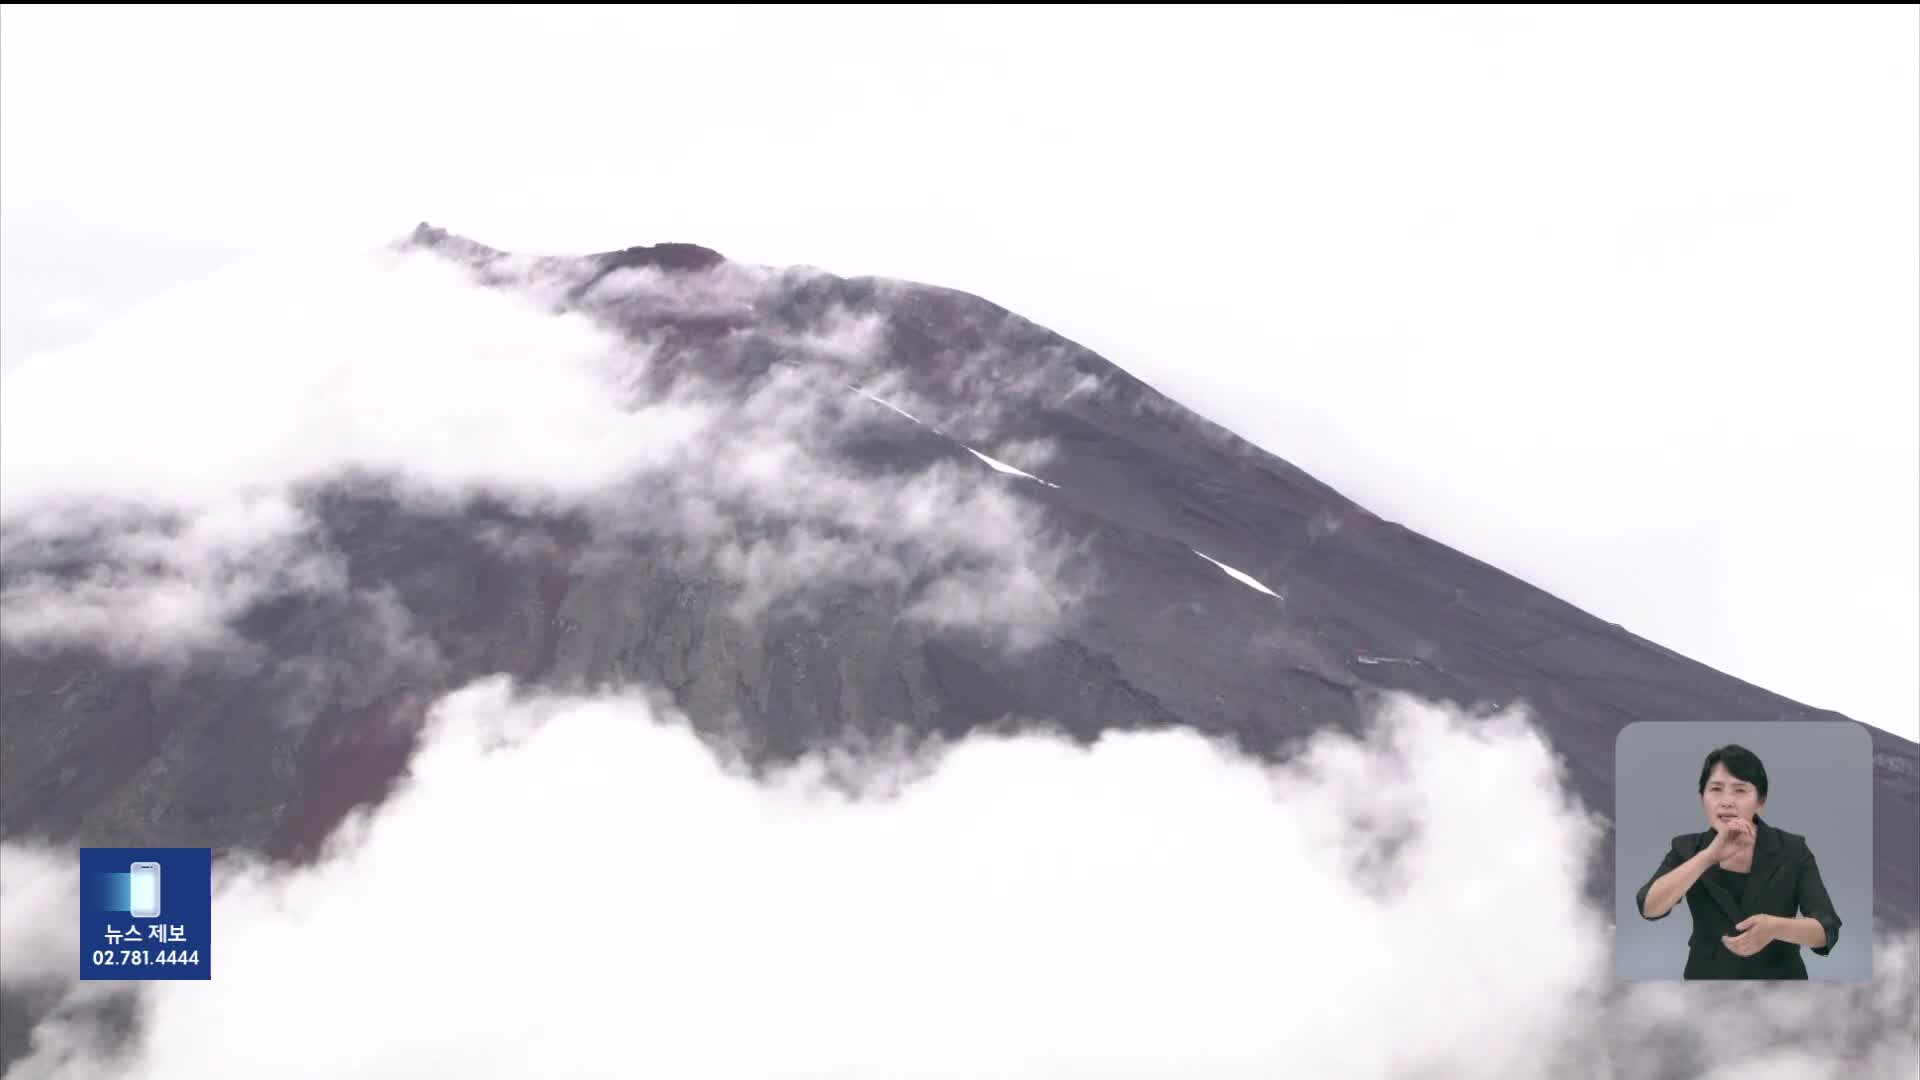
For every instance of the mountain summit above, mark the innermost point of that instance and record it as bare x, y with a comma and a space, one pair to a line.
901, 508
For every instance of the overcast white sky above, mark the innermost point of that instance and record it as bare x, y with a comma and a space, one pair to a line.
1624, 301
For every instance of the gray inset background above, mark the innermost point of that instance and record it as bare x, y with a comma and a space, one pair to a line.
1819, 784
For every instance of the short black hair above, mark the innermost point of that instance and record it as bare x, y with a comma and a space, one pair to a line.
1743, 763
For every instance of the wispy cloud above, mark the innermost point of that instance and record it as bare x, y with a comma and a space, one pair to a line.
153, 587
204, 417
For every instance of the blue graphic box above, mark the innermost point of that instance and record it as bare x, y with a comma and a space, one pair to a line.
146, 913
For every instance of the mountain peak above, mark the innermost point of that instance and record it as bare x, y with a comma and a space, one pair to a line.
670, 256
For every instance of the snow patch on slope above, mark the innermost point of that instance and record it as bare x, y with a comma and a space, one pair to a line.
1002, 467
889, 405
1237, 575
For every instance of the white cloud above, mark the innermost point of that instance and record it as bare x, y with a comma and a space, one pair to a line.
201, 417
39, 936
1152, 906
165, 451
1034, 452
968, 553
152, 587
855, 339
289, 370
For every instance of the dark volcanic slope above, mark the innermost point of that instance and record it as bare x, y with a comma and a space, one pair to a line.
268, 747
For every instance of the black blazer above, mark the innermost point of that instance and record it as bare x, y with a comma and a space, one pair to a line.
1784, 881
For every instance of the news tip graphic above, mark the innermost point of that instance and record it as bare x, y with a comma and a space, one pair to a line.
146, 913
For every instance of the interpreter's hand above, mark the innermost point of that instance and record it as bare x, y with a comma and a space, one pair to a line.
1717, 848
1740, 834
1730, 838
1757, 932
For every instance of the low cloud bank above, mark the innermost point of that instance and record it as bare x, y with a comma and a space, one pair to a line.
579, 886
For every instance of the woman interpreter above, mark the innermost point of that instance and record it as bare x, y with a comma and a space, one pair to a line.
1753, 890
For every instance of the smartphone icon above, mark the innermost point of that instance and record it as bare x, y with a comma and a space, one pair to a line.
144, 892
